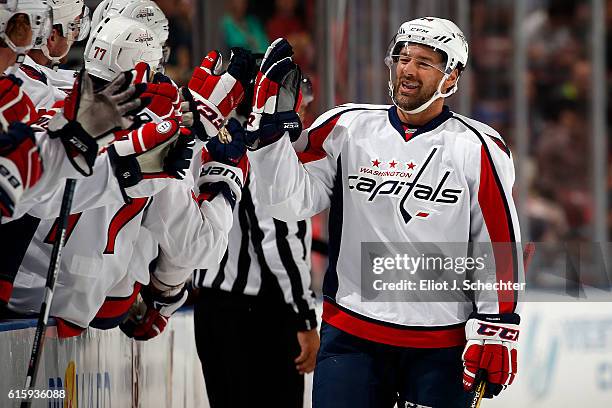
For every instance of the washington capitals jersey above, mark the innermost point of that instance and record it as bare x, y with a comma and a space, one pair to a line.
448, 182
43, 84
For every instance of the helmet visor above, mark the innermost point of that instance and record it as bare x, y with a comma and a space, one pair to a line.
400, 55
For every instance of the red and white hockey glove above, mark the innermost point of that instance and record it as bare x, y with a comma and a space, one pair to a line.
225, 165
155, 304
153, 150
491, 350
89, 118
15, 105
162, 93
20, 165
210, 97
276, 97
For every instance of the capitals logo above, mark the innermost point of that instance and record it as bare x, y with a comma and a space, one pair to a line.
145, 13
144, 38
409, 189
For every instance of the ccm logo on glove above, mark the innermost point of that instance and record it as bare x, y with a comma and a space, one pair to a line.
504, 332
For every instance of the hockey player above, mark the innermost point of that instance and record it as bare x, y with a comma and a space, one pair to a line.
457, 188
79, 132
93, 271
70, 24
45, 82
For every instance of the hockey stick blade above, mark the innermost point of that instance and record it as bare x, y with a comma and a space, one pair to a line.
45, 307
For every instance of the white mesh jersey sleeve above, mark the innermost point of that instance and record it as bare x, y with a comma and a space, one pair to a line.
295, 186
190, 235
39, 85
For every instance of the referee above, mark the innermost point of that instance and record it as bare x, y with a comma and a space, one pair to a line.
255, 324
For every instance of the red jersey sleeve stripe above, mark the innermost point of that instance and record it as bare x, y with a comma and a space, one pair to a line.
316, 137
496, 214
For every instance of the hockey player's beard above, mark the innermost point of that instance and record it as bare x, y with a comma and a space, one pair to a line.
410, 102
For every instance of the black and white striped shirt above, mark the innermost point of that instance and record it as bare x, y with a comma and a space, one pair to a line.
265, 257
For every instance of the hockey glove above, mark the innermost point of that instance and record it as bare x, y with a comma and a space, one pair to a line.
150, 151
165, 101
491, 350
210, 97
20, 165
15, 105
149, 315
89, 118
225, 165
276, 97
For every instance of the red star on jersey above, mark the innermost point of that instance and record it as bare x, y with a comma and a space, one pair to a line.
392, 164
375, 162
411, 166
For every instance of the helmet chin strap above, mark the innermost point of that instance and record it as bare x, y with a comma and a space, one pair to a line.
20, 51
55, 61
436, 95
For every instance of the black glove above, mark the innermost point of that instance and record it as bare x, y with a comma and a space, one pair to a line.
276, 97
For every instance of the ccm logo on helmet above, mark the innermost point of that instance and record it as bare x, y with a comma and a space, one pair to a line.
503, 332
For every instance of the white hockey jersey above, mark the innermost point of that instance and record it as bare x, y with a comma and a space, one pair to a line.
100, 244
450, 182
43, 85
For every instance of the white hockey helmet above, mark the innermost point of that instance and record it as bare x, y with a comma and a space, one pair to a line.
39, 16
144, 11
73, 18
117, 45
441, 35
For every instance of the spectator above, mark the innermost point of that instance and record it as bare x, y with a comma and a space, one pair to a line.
285, 21
243, 30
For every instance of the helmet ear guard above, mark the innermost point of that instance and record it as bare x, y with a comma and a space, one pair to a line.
442, 36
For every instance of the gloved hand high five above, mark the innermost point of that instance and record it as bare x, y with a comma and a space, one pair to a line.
491, 349
225, 165
210, 97
89, 118
165, 100
276, 97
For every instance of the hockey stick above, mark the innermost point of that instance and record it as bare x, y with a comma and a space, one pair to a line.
478, 394
45, 307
